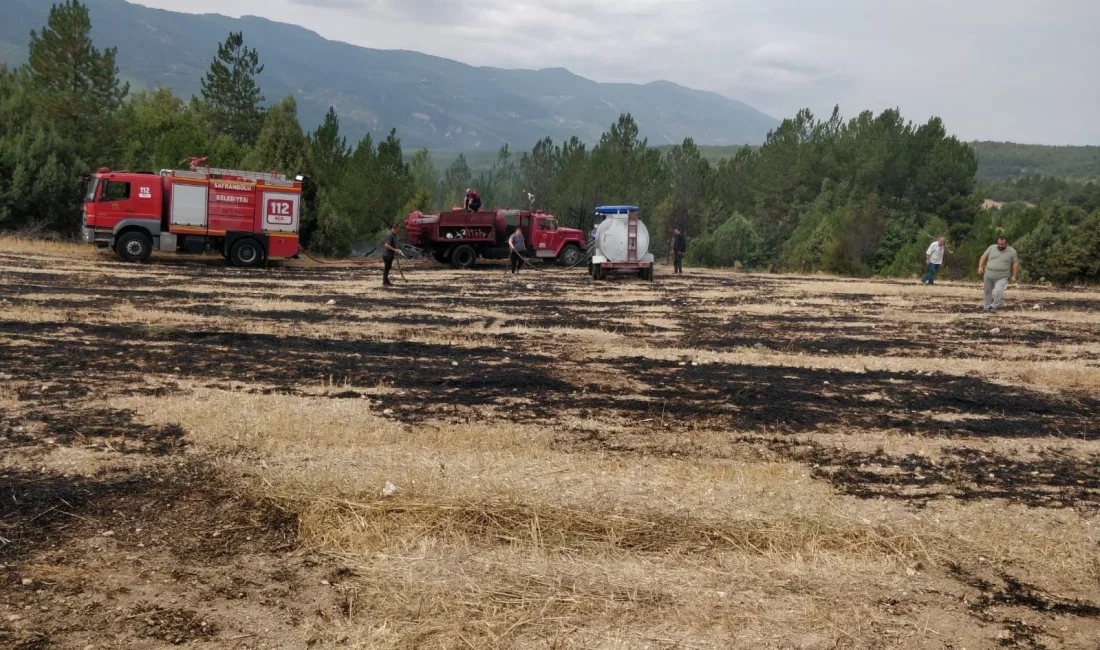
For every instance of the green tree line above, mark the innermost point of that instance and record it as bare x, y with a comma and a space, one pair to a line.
1008, 160
1045, 190
860, 196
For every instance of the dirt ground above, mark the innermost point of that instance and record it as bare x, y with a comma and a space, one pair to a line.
292, 457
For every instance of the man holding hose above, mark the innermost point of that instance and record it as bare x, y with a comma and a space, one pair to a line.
389, 251
516, 247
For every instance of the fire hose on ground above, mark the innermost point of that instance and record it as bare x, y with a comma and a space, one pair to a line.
304, 252
400, 269
589, 252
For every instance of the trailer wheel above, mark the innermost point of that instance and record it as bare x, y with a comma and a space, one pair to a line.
463, 257
134, 246
246, 252
570, 255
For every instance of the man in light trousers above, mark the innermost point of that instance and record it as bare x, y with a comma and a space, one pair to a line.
998, 264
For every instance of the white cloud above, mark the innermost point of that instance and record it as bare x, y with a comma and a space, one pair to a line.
993, 69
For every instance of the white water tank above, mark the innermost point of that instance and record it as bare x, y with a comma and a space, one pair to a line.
611, 238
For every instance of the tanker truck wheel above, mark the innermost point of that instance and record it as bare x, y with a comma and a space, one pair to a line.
570, 255
134, 246
463, 257
246, 252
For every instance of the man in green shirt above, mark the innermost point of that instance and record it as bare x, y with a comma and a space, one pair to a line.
999, 262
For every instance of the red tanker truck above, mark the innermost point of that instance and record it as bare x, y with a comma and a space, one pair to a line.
248, 217
459, 237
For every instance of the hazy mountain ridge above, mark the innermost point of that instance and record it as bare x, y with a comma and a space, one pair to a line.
432, 101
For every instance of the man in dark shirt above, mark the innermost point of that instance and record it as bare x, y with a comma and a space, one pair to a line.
473, 201
389, 251
679, 247
516, 247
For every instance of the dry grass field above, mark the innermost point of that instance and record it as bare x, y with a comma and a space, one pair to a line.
292, 457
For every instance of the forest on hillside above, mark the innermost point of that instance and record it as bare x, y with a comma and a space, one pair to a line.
1009, 160
997, 161
857, 196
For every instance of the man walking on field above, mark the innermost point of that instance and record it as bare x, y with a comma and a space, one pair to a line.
933, 257
998, 264
679, 247
389, 252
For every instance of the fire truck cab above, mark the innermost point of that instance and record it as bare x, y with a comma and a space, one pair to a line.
248, 217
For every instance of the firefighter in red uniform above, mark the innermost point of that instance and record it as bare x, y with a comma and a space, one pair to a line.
473, 201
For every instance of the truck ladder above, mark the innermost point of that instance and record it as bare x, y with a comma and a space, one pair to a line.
632, 237
244, 174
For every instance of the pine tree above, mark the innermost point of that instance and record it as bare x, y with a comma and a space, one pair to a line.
574, 188
161, 131
38, 171
76, 85
281, 145
425, 180
689, 178
330, 151
456, 179
231, 93
394, 183
539, 171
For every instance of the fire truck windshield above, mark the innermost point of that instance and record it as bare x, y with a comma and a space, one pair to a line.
93, 185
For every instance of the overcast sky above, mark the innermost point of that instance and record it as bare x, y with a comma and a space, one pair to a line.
1021, 70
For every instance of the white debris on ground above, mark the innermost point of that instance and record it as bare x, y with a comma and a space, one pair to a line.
389, 489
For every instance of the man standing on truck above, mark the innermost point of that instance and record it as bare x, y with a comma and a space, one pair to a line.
516, 246
998, 262
679, 247
390, 250
473, 201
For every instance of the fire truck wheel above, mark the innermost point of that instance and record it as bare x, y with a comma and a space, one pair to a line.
463, 257
440, 257
246, 252
134, 246
570, 255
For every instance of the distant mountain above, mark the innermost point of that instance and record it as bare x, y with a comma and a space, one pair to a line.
433, 102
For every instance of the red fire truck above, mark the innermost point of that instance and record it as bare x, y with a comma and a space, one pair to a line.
248, 217
459, 237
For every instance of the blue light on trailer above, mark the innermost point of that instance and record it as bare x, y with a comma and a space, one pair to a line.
616, 209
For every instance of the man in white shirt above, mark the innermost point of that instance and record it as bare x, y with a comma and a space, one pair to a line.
933, 257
